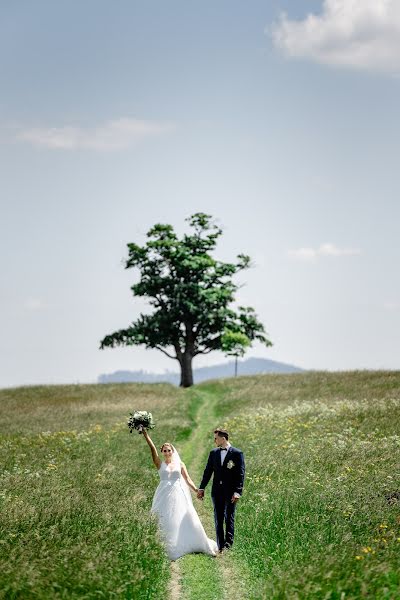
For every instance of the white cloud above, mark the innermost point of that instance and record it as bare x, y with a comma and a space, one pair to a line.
311, 254
362, 34
303, 253
392, 306
112, 135
34, 304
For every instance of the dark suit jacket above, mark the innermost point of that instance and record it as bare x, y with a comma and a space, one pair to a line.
228, 477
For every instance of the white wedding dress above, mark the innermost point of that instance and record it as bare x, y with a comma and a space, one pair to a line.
180, 526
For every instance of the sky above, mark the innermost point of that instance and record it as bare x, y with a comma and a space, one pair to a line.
279, 119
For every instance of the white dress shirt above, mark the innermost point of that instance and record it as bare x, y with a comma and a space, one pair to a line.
224, 453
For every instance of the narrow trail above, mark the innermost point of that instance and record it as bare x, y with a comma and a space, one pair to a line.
191, 574
174, 588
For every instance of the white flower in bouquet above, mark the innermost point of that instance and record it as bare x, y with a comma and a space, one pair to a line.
140, 419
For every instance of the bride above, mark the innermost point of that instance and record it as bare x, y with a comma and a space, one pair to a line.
180, 526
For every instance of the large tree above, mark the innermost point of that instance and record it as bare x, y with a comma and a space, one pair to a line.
191, 293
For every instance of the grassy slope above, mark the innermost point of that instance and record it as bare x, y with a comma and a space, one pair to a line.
322, 450
76, 489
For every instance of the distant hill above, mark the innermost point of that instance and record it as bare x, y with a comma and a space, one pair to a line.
250, 366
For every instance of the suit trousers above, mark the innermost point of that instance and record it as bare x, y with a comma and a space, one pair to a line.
224, 514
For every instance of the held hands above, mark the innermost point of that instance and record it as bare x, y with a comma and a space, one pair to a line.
200, 496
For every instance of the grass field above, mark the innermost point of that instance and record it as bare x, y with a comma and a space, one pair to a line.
320, 516
75, 491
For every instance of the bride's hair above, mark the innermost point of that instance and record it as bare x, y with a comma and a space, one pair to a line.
167, 444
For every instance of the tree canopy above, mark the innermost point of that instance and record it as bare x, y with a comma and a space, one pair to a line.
191, 293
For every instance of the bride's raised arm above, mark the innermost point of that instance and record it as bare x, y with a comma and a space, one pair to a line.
187, 478
153, 449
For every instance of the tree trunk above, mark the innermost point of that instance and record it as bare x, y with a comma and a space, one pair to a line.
236, 361
186, 370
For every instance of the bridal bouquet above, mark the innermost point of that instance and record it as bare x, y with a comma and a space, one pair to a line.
140, 418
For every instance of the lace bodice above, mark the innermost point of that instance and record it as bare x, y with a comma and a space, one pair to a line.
169, 472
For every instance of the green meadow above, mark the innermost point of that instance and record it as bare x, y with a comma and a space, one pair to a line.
319, 518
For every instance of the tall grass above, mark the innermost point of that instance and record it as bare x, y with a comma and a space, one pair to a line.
320, 514
76, 489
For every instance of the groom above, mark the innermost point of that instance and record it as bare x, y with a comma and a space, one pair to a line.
226, 463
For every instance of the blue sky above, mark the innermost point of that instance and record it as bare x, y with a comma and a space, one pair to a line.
279, 118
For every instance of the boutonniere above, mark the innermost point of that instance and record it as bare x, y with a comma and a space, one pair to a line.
230, 464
